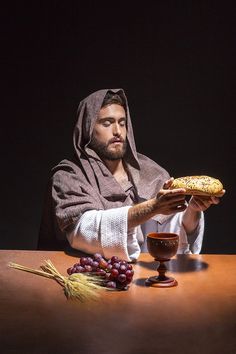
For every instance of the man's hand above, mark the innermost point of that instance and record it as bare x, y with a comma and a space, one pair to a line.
202, 203
195, 206
169, 201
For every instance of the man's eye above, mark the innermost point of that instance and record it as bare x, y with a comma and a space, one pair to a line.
122, 123
106, 123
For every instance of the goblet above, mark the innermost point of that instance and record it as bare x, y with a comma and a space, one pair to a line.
162, 246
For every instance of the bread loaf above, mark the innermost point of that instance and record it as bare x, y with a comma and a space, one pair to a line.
199, 185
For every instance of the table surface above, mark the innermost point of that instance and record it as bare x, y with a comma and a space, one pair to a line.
197, 316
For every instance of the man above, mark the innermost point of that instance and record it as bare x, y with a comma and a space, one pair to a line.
108, 196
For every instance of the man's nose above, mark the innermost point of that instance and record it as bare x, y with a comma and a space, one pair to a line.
116, 130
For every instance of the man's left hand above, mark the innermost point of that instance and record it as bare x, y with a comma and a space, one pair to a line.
202, 203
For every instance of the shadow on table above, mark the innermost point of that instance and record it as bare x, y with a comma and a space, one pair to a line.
75, 253
181, 264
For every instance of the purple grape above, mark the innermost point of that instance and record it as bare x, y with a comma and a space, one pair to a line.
89, 261
123, 263
111, 285
100, 271
69, 270
97, 256
95, 265
88, 268
74, 269
121, 278
114, 273
116, 265
109, 267
122, 268
129, 274
83, 261
114, 259
79, 269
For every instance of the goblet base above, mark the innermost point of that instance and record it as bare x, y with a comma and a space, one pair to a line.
157, 282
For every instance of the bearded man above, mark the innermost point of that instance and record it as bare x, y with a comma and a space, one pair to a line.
108, 196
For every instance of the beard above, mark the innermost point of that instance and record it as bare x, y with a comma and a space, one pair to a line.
103, 151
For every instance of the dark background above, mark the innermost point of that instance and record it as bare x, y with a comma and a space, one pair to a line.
174, 59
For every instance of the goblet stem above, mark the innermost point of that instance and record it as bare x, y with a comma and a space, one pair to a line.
162, 270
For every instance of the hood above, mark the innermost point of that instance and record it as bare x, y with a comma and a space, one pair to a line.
87, 114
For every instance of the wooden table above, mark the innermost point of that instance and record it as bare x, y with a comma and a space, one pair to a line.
197, 316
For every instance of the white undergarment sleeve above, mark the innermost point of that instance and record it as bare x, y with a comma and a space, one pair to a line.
187, 243
106, 232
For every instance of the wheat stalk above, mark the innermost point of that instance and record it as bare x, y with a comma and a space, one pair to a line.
77, 286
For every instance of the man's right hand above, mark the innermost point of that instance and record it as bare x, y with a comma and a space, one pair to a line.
167, 201
170, 200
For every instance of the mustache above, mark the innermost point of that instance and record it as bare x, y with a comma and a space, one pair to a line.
113, 140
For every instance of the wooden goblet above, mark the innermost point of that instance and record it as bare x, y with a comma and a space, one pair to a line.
162, 246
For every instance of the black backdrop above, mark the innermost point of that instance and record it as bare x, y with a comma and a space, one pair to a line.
176, 62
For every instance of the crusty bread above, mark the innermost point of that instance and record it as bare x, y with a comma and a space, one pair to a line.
199, 185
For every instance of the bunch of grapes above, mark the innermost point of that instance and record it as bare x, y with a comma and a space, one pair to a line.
116, 273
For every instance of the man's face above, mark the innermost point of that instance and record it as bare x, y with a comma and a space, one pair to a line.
109, 133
